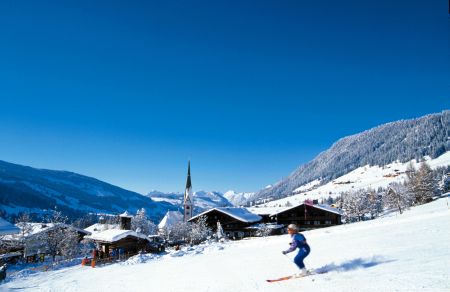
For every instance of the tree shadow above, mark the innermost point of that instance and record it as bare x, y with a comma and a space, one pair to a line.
359, 263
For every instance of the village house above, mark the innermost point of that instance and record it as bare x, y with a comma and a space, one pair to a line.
33, 234
120, 241
306, 215
234, 221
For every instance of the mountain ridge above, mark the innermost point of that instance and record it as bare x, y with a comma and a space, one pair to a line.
24, 188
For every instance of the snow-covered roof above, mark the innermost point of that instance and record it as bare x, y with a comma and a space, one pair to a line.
267, 210
317, 206
35, 228
7, 228
240, 214
112, 235
99, 227
170, 219
126, 214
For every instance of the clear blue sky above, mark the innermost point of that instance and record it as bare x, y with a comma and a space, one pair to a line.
128, 91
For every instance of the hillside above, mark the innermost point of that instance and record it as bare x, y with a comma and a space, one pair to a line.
365, 177
24, 188
397, 141
407, 252
202, 200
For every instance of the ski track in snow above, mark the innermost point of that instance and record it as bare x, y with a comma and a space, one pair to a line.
408, 252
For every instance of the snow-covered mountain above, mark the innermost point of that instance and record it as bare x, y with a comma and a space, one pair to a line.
396, 141
24, 188
202, 200
236, 198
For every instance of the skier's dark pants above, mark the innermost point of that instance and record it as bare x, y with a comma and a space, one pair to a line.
302, 254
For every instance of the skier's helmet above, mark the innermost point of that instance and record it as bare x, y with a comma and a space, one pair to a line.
292, 227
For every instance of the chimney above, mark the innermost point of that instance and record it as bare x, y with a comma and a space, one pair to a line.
125, 221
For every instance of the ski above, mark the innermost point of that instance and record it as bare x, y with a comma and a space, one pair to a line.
291, 277
280, 279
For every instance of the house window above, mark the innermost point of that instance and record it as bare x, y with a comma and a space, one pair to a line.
307, 222
316, 222
328, 222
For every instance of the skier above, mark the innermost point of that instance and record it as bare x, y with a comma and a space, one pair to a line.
298, 240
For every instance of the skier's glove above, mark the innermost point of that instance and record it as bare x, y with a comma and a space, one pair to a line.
284, 252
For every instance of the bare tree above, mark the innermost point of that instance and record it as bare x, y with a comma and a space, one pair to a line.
199, 230
398, 196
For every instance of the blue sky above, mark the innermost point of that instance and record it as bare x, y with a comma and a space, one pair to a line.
128, 91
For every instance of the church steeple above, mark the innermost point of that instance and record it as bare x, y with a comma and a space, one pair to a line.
188, 204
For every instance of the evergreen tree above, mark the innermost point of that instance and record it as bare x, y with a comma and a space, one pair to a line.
141, 223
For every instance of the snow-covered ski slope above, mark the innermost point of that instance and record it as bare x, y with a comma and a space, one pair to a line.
408, 252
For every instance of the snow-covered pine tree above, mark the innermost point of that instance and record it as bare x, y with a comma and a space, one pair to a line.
219, 232
374, 203
142, 223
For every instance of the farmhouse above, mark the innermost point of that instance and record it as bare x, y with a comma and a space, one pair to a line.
119, 242
234, 221
34, 234
306, 216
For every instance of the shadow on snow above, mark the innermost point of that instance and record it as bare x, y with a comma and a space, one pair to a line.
359, 263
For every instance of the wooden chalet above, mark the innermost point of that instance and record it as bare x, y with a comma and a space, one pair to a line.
119, 241
234, 221
36, 247
307, 216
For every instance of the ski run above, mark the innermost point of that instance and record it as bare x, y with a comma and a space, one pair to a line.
408, 252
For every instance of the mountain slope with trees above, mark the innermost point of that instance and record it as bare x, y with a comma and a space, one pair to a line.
396, 141
27, 189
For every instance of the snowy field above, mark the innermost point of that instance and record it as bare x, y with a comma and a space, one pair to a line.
409, 252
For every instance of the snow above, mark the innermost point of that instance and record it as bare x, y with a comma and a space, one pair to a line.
35, 228
407, 252
240, 214
99, 227
361, 178
7, 228
112, 235
171, 219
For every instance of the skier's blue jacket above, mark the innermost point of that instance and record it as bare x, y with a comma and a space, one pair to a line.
298, 240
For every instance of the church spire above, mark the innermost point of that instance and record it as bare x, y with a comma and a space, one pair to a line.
188, 204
